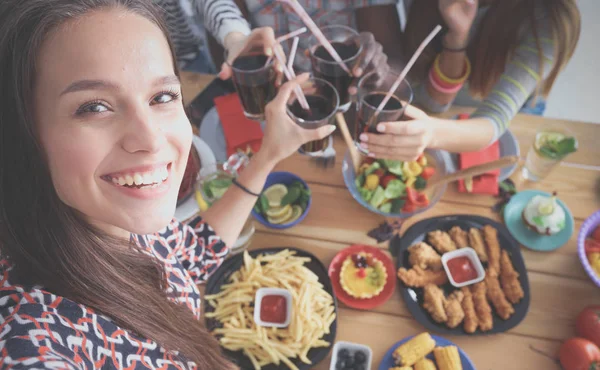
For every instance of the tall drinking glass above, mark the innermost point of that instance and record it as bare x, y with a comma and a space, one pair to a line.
345, 41
254, 79
324, 103
372, 89
551, 145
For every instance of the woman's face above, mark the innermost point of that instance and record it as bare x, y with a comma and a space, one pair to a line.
110, 118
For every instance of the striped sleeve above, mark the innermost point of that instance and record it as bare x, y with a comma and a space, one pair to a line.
520, 78
221, 17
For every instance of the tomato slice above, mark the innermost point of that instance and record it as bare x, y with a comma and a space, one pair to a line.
411, 196
591, 246
422, 200
409, 207
596, 234
427, 172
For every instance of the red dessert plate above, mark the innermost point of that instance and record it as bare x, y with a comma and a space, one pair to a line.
362, 304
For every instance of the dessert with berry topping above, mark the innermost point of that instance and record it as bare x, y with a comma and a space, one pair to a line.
362, 275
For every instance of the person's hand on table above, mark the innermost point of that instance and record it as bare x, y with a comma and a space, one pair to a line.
282, 137
236, 42
401, 140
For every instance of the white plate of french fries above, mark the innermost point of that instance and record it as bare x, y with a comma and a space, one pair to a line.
229, 311
426, 351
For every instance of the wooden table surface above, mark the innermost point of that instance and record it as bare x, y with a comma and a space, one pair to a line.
559, 286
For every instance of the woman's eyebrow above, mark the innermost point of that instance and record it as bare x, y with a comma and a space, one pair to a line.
83, 85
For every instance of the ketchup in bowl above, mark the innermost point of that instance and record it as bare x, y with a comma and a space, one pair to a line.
273, 308
462, 269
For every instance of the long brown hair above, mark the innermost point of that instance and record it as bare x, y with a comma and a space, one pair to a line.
48, 242
498, 37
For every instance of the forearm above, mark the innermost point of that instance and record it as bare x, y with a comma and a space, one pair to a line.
222, 18
228, 215
452, 65
467, 135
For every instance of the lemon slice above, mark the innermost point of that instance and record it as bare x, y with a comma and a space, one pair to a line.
276, 212
296, 213
545, 137
275, 194
546, 207
282, 219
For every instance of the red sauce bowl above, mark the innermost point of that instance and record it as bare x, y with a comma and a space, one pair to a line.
463, 267
273, 307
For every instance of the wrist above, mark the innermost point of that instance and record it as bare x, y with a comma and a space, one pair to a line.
264, 160
456, 40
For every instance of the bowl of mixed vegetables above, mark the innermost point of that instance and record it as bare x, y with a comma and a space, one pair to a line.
396, 188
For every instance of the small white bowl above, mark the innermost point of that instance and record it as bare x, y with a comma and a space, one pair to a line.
352, 348
262, 292
471, 255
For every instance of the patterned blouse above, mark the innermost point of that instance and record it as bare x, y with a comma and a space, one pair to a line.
39, 330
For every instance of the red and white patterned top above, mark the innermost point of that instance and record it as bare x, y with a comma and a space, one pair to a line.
40, 330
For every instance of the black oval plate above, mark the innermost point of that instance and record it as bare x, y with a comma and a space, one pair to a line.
414, 296
234, 263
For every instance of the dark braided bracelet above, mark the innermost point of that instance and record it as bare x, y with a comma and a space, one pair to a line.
245, 189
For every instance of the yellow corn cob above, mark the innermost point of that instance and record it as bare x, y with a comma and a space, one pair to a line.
414, 350
425, 364
401, 368
447, 358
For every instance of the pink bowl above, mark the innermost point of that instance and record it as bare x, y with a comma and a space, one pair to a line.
586, 229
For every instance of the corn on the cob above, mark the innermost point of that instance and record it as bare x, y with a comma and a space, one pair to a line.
447, 358
425, 364
401, 368
414, 350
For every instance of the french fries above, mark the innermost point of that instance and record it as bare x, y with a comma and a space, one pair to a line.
313, 310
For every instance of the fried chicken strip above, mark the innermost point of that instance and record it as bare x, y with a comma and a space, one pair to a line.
490, 234
460, 237
471, 322
424, 256
495, 294
434, 302
441, 241
482, 307
476, 242
509, 278
454, 310
416, 277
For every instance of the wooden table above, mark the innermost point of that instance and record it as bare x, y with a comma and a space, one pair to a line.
559, 286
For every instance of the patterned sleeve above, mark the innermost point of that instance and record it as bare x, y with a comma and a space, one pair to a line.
221, 17
202, 251
24, 353
520, 78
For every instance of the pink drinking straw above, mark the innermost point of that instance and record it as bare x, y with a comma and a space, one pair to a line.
290, 64
316, 32
407, 68
290, 76
286, 37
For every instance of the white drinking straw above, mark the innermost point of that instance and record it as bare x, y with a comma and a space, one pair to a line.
292, 56
316, 32
407, 68
290, 76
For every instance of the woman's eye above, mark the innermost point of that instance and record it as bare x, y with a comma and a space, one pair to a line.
165, 97
92, 108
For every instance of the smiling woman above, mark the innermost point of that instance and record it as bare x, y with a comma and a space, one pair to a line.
93, 146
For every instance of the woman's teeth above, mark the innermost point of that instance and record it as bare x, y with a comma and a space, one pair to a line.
150, 179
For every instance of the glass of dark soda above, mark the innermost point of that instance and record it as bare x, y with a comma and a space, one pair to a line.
346, 43
323, 102
254, 78
372, 89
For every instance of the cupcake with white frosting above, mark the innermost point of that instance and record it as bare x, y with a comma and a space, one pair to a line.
544, 215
